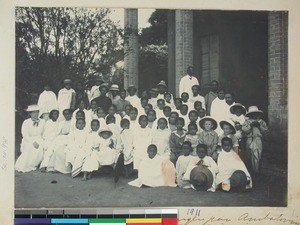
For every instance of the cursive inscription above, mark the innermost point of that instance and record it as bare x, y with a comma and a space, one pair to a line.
268, 217
3, 153
193, 217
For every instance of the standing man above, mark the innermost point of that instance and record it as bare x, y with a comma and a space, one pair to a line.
211, 95
66, 98
103, 101
187, 82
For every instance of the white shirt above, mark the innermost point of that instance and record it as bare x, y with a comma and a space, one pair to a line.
64, 99
47, 102
186, 83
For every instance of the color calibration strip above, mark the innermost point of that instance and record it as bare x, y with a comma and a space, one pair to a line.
98, 217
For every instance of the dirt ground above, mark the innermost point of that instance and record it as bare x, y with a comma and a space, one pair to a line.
55, 190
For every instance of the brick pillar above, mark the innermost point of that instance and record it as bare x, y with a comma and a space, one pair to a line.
183, 44
131, 47
278, 45
171, 52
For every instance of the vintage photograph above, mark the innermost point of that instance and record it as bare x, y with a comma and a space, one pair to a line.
121, 107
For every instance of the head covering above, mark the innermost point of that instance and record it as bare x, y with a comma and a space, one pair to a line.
131, 87
32, 108
237, 105
103, 85
253, 109
104, 128
154, 90
208, 118
230, 123
162, 83
67, 81
114, 87
238, 181
201, 178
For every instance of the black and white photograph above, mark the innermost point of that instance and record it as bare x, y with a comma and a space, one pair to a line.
141, 107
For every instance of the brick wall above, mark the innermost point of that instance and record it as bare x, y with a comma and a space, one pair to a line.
278, 61
183, 44
131, 48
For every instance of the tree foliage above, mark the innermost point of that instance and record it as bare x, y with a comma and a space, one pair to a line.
55, 43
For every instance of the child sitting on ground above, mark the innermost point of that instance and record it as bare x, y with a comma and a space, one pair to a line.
254, 128
208, 136
155, 171
182, 164
203, 160
192, 137
176, 140
233, 174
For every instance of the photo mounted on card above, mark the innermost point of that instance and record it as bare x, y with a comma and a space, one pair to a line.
156, 107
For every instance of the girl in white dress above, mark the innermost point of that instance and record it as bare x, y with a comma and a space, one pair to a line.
161, 138
92, 144
76, 149
51, 131
142, 139
32, 142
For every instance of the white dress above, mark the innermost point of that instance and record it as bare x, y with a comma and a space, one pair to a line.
76, 150
95, 92
31, 157
219, 111
142, 139
199, 98
161, 139
186, 83
58, 147
228, 163
92, 144
51, 131
127, 137
64, 100
47, 102
181, 167
134, 101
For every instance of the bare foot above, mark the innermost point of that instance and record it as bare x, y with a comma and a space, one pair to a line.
43, 169
89, 176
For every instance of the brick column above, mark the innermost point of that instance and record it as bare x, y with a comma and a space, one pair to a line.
278, 45
131, 47
183, 44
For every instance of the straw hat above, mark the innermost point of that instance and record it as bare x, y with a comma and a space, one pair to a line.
253, 109
238, 105
104, 128
228, 122
114, 87
162, 83
201, 178
32, 108
208, 118
238, 181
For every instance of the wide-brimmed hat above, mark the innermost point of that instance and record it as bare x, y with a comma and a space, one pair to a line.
104, 128
114, 87
253, 109
201, 178
238, 105
162, 83
131, 87
208, 118
32, 108
238, 181
154, 90
67, 81
228, 122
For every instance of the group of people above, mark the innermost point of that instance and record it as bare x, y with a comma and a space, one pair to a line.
191, 141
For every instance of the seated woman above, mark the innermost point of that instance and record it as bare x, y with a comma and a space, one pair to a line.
155, 171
